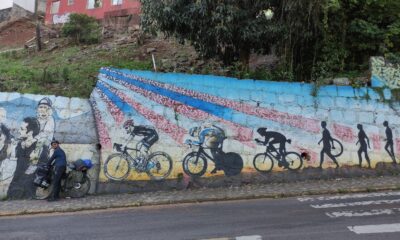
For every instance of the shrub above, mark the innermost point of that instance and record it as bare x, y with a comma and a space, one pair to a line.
82, 29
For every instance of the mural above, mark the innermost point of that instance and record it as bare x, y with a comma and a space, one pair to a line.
264, 162
203, 128
28, 123
329, 146
363, 140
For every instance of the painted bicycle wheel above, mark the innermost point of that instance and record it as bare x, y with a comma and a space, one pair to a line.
159, 165
294, 160
117, 167
263, 163
194, 164
337, 148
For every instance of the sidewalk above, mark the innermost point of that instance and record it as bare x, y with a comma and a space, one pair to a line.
273, 190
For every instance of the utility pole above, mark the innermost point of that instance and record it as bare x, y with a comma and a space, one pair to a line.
38, 37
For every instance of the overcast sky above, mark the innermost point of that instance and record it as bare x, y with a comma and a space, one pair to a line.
5, 4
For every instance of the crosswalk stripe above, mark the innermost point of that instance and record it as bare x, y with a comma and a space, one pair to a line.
254, 237
348, 196
373, 212
352, 204
383, 228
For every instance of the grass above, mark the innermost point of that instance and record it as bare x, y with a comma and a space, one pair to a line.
70, 71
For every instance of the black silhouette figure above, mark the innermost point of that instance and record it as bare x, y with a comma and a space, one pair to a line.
272, 138
363, 140
389, 141
327, 141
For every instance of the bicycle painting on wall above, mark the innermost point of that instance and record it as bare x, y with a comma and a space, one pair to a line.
210, 138
157, 165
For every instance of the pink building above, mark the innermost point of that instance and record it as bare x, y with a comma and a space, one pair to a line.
110, 11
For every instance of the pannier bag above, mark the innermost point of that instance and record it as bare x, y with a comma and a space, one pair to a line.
83, 164
42, 176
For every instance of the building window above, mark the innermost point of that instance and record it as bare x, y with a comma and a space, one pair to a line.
70, 2
116, 2
92, 4
55, 7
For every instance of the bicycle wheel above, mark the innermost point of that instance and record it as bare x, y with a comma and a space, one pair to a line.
194, 165
232, 163
78, 188
263, 163
159, 165
294, 160
43, 193
117, 167
337, 148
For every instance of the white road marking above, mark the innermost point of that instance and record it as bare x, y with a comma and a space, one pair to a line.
254, 237
352, 204
383, 228
373, 212
348, 196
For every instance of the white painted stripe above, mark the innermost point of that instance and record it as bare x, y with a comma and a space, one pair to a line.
254, 237
352, 204
348, 196
373, 212
383, 228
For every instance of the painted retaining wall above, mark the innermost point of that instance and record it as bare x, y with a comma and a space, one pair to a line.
27, 125
166, 107
168, 116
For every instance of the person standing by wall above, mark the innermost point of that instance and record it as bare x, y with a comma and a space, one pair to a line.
59, 162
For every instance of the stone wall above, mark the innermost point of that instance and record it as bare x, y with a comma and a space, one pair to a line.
5, 14
384, 73
27, 125
173, 113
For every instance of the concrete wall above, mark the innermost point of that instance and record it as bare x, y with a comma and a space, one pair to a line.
172, 104
27, 125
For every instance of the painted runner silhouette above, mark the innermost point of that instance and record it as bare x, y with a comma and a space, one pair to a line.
364, 142
328, 145
389, 141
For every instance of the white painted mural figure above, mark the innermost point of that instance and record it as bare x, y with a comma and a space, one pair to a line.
7, 155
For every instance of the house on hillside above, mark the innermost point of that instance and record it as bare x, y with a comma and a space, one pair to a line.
117, 13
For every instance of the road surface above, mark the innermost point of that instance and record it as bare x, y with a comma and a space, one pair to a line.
367, 216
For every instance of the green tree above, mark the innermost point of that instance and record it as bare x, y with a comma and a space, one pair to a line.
313, 38
229, 29
82, 29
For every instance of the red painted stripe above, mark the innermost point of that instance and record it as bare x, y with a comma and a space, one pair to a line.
307, 124
174, 131
239, 132
102, 130
115, 112
345, 133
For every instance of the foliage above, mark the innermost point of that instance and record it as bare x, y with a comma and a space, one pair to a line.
314, 39
82, 29
227, 29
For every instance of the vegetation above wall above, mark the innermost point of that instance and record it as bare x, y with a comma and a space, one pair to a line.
313, 39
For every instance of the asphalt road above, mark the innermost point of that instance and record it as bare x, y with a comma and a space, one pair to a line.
353, 216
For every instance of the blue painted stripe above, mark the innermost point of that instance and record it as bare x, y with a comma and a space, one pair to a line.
214, 109
125, 108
